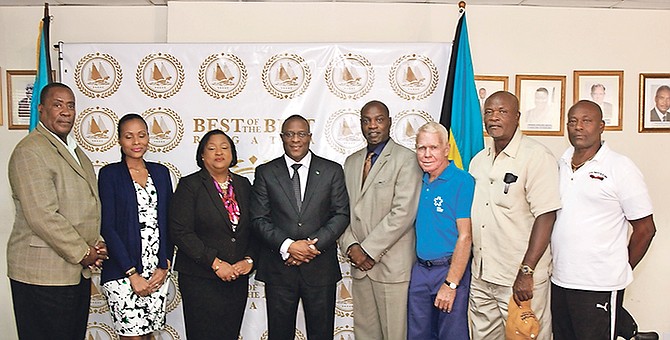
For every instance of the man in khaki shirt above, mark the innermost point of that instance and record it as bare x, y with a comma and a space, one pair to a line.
513, 213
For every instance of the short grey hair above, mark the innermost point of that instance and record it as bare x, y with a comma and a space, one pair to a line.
434, 127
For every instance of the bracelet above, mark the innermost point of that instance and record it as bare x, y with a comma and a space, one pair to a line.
132, 271
249, 260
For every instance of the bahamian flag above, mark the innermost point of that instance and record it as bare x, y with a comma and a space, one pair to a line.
44, 73
461, 114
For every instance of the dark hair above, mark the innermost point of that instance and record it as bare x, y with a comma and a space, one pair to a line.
123, 120
295, 117
376, 103
47, 89
205, 140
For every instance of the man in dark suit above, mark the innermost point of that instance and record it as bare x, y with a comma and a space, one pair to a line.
299, 208
661, 112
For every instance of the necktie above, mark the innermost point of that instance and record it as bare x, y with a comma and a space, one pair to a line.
296, 184
367, 166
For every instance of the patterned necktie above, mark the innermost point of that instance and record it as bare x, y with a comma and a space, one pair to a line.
366, 167
296, 184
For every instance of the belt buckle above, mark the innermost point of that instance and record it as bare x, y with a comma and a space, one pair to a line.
429, 263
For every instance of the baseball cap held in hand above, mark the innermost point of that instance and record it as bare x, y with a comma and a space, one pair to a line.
522, 323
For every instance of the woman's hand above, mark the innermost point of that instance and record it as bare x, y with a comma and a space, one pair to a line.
224, 270
158, 279
140, 285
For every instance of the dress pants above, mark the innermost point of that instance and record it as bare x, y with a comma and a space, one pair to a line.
318, 303
488, 309
213, 309
380, 309
51, 312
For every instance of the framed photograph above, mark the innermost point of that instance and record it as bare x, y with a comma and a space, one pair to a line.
654, 113
606, 89
19, 93
542, 104
488, 85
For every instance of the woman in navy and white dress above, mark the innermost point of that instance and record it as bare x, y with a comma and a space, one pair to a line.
135, 196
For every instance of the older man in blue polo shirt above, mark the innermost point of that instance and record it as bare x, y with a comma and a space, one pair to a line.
440, 283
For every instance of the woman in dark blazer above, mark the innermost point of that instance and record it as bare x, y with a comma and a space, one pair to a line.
135, 196
209, 223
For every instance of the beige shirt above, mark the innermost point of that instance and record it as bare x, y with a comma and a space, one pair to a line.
503, 215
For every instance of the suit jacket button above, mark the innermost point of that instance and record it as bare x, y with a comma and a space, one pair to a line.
299, 224
233, 240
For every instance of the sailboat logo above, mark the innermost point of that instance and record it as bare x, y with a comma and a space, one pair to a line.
414, 77
160, 75
94, 129
286, 76
223, 75
349, 76
344, 332
98, 75
343, 131
98, 303
406, 124
99, 331
165, 129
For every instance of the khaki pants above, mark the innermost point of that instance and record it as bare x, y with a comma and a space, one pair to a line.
488, 309
380, 309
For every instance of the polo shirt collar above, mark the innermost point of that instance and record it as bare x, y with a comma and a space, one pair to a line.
446, 174
512, 148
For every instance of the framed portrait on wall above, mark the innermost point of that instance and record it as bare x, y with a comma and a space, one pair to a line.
19, 93
541, 103
486, 86
605, 88
654, 115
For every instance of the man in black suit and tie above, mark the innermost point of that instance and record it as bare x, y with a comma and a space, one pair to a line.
299, 208
661, 112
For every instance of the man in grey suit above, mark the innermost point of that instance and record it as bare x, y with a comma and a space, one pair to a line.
661, 112
383, 181
299, 207
56, 233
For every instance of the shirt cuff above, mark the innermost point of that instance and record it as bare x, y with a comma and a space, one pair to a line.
283, 250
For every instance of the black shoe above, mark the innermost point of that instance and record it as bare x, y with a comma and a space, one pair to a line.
646, 336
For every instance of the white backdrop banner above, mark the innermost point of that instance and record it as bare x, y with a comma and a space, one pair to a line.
247, 90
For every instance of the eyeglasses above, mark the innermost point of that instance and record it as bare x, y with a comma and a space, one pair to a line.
291, 134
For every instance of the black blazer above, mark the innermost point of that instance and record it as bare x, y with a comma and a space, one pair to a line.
201, 229
275, 217
120, 222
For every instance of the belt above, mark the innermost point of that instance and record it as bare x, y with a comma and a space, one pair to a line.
444, 261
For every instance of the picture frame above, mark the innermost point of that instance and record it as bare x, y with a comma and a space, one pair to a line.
654, 96
605, 88
541, 103
487, 85
19, 91
1, 113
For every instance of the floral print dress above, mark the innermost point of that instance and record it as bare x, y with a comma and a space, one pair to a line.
132, 314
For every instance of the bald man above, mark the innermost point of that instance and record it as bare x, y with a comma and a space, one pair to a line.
513, 212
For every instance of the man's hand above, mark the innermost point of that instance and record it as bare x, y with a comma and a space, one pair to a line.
359, 258
101, 252
303, 250
444, 300
522, 288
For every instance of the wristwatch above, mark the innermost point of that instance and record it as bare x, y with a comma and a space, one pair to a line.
526, 269
450, 284
249, 260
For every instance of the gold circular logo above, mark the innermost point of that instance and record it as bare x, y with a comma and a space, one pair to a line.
95, 129
160, 75
344, 303
343, 131
345, 332
175, 174
98, 300
165, 129
168, 332
246, 166
349, 76
173, 295
286, 76
97, 165
298, 335
100, 331
98, 75
406, 124
413, 77
222, 75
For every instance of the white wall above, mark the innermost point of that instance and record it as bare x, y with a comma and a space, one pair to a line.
504, 41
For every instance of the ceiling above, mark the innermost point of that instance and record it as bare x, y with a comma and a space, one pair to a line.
625, 4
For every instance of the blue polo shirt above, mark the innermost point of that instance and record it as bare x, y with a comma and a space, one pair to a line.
447, 198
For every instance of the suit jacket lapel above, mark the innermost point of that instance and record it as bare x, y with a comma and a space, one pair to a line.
382, 159
213, 194
313, 180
